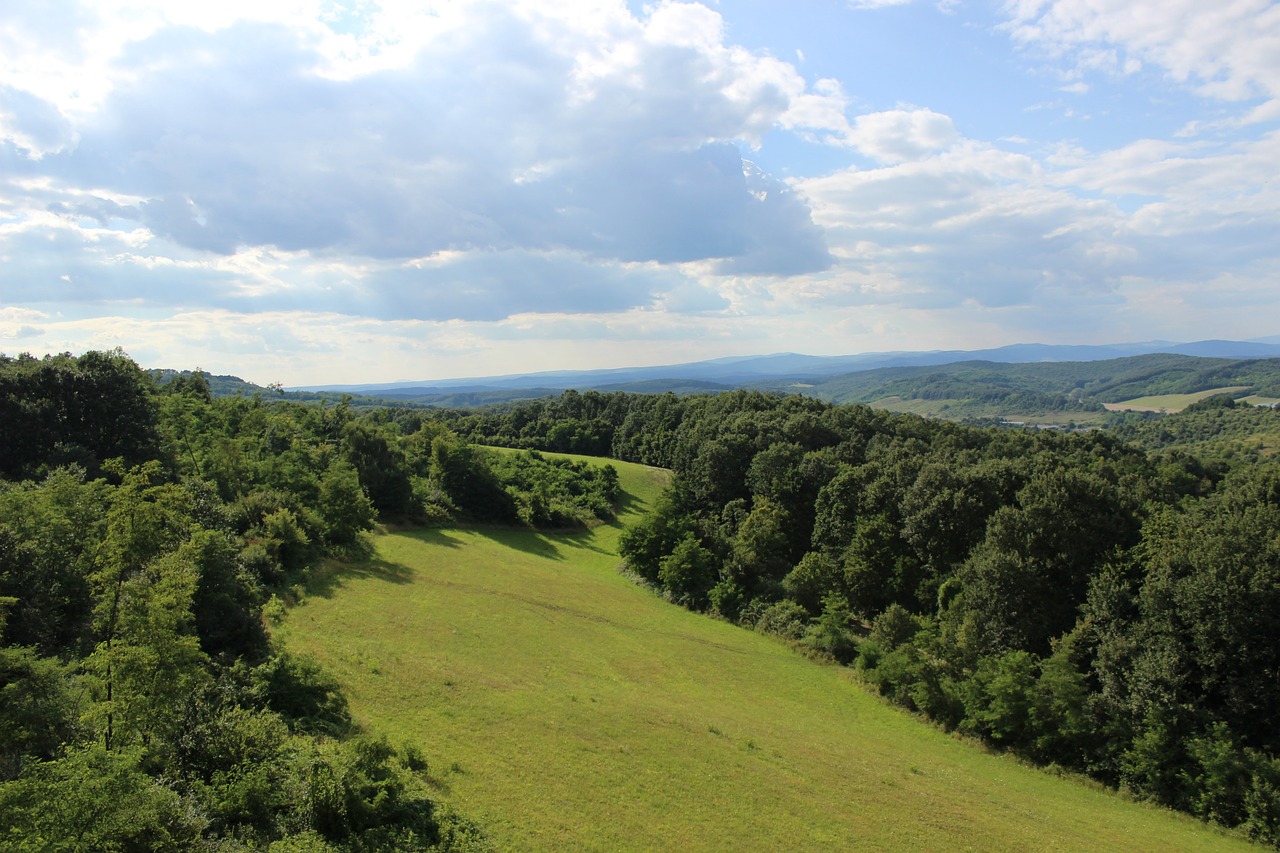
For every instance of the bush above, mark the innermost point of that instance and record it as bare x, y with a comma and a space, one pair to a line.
784, 619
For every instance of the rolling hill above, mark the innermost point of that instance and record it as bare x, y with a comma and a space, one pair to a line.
1031, 382
573, 710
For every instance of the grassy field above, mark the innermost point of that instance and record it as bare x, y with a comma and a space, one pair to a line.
1169, 402
924, 408
568, 709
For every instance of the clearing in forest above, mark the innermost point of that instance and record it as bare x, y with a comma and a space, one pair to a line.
568, 709
1170, 402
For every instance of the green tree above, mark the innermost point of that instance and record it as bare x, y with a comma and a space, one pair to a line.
94, 799
761, 555
344, 507
688, 572
647, 541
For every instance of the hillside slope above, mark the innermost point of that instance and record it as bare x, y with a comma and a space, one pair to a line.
571, 709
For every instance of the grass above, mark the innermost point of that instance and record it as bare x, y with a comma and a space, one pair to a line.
924, 408
1169, 402
568, 709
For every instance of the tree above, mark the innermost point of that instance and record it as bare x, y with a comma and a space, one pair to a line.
1024, 583
644, 544
94, 799
345, 509
688, 572
85, 410
150, 658
814, 578
761, 555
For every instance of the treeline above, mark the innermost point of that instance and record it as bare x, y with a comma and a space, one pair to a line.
1217, 427
984, 387
143, 533
1072, 598
1053, 386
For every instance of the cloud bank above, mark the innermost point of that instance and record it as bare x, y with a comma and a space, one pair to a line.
498, 186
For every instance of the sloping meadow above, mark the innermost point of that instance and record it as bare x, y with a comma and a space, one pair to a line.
568, 708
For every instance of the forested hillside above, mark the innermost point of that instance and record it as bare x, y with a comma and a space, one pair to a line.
1217, 427
1104, 605
143, 533
986, 389
1055, 391
1073, 598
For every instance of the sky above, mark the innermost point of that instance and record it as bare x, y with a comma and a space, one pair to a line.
346, 191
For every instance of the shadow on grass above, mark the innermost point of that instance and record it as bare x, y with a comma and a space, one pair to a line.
629, 504
535, 542
431, 536
332, 575
543, 543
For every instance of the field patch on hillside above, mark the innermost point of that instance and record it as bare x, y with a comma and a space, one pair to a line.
1170, 402
569, 709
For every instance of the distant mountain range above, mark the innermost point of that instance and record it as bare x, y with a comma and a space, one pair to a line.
755, 371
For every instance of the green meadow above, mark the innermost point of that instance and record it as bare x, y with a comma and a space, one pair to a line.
1170, 402
567, 708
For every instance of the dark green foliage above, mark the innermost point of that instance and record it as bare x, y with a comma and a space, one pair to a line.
345, 509
784, 619
62, 410
761, 552
469, 483
814, 578
551, 492
833, 633
39, 711
94, 799
299, 691
649, 540
142, 706
688, 573
1216, 433
49, 535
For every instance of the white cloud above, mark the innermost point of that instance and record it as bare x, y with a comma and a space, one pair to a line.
1226, 49
465, 185
877, 4
970, 223
519, 131
897, 136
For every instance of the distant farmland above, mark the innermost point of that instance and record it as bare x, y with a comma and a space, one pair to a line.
1170, 402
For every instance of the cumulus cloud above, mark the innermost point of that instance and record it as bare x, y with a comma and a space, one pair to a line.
33, 126
1224, 50
516, 133
960, 221
449, 181
896, 136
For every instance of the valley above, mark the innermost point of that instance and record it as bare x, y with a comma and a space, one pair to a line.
566, 707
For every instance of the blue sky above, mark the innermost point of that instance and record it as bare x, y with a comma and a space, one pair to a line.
321, 191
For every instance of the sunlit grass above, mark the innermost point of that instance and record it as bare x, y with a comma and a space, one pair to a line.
1169, 402
569, 709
